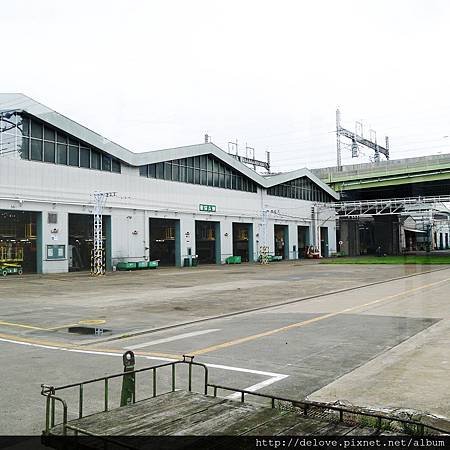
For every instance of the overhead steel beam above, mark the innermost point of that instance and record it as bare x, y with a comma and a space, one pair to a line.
387, 206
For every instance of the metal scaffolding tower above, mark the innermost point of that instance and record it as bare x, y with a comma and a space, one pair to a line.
264, 248
98, 252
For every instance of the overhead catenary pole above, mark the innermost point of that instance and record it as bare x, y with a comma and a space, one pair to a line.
356, 139
338, 140
98, 252
264, 248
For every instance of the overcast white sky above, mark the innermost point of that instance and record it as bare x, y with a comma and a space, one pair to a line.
158, 74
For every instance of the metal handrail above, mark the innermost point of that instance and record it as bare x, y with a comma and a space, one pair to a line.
306, 404
49, 391
50, 413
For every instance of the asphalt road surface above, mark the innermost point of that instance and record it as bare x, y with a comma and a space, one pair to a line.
383, 346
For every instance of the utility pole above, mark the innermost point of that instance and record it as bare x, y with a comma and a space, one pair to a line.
338, 140
98, 252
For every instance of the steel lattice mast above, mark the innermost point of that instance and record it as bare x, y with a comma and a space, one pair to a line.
357, 138
98, 252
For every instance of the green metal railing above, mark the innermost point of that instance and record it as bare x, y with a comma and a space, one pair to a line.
308, 408
50, 391
342, 413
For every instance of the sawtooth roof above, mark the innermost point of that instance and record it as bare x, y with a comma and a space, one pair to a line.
23, 103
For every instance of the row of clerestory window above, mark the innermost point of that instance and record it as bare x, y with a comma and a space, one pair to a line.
36, 141
205, 170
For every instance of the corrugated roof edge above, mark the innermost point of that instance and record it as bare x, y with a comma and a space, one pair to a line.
20, 101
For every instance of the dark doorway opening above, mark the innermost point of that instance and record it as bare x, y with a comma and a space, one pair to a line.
207, 242
303, 240
242, 241
281, 235
18, 239
324, 242
81, 242
164, 241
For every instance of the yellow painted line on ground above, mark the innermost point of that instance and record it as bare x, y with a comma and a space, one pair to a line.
12, 337
92, 322
33, 327
67, 345
245, 339
22, 325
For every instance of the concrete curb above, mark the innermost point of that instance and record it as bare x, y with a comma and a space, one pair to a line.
246, 311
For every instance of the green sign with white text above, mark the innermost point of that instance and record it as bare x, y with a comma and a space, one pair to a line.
207, 208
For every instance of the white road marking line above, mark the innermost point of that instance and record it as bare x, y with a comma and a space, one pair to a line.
240, 369
258, 386
274, 377
171, 338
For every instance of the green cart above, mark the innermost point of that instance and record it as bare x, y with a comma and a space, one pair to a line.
8, 269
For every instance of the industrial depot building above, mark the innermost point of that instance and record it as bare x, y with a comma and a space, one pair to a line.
169, 204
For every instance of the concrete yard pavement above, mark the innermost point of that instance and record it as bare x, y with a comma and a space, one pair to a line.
44, 306
382, 346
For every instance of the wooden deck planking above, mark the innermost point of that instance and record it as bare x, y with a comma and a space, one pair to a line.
187, 420
184, 413
276, 425
215, 411
257, 419
153, 411
216, 425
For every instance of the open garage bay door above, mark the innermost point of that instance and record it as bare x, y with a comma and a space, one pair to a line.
243, 241
165, 241
81, 230
281, 239
303, 240
207, 242
19, 240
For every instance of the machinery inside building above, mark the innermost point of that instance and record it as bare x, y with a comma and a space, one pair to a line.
206, 242
81, 240
281, 234
164, 238
18, 237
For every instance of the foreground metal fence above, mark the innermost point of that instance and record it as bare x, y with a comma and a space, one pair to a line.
51, 398
332, 413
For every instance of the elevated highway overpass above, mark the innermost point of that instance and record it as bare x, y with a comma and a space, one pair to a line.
408, 177
377, 198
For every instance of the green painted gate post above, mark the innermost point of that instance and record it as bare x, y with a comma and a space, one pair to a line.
128, 394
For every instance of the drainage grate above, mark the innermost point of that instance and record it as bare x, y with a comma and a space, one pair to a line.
89, 330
